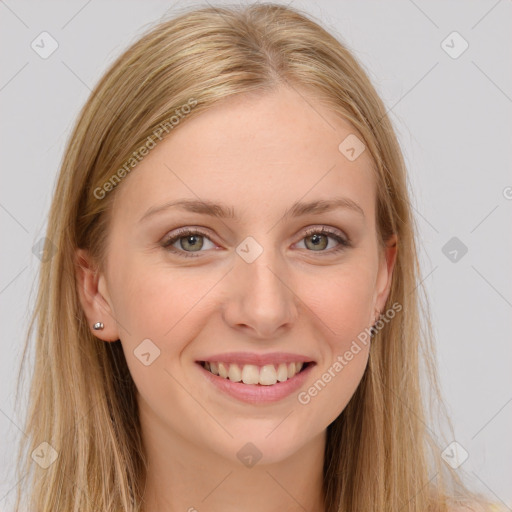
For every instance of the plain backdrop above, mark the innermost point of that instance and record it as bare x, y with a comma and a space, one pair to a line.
451, 110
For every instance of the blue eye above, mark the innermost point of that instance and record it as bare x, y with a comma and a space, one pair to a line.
191, 241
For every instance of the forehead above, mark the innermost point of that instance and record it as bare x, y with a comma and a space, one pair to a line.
259, 153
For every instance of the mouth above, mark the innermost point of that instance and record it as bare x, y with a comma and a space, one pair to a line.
250, 374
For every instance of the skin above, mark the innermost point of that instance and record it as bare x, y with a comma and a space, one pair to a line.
258, 154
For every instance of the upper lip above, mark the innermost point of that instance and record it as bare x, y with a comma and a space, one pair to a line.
242, 358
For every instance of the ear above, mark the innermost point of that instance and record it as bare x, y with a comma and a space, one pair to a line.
93, 293
387, 258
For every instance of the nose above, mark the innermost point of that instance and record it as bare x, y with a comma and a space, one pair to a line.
260, 297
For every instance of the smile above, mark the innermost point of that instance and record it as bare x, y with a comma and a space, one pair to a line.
266, 375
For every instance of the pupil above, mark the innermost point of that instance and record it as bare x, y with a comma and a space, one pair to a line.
192, 242
317, 241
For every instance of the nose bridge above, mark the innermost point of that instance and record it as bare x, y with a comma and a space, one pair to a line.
262, 297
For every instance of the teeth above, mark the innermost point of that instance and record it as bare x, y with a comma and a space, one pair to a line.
282, 372
251, 374
223, 371
235, 374
268, 375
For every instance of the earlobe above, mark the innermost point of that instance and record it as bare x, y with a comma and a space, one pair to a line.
96, 306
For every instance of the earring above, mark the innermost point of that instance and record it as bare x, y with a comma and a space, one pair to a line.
98, 326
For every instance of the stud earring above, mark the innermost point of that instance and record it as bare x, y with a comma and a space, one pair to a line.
98, 326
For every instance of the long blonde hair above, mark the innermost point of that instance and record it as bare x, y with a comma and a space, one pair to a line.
380, 454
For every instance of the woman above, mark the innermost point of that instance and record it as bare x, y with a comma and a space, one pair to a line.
232, 318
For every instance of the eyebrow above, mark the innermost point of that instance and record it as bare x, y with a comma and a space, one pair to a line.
224, 212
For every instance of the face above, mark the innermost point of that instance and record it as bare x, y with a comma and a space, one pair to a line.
257, 294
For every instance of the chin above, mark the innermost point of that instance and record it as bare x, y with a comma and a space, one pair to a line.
267, 445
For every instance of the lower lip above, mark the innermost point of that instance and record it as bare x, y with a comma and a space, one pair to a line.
258, 393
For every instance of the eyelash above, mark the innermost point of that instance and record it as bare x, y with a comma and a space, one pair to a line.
184, 232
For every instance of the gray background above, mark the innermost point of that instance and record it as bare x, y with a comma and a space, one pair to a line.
452, 116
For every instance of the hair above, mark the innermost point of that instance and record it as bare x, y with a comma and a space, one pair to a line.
380, 455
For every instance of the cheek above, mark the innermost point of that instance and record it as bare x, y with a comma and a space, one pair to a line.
342, 303
151, 299
341, 299
162, 305
333, 387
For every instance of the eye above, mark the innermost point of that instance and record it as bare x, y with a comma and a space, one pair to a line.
187, 241
317, 240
